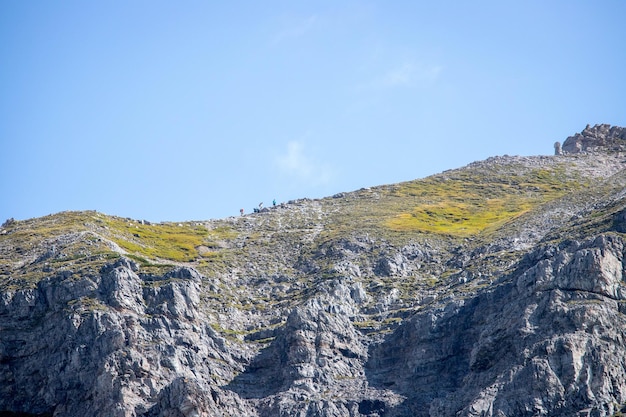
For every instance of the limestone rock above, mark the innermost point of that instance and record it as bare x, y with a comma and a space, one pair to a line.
542, 343
101, 346
596, 138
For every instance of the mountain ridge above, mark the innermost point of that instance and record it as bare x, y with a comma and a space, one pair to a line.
432, 297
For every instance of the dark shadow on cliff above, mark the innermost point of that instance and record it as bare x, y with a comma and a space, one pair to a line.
428, 357
263, 377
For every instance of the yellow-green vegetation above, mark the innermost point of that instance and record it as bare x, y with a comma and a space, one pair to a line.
470, 201
51, 243
181, 242
465, 203
87, 304
24, 233
79, 240
177, 242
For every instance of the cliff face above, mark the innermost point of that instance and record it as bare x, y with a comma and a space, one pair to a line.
493, 290
543, 341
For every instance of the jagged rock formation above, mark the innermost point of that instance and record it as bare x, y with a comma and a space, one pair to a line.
599, 137
497, 289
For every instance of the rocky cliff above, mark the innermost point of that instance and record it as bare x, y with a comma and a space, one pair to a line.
496, 289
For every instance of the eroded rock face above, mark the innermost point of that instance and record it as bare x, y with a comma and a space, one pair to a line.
546, 341
106, 345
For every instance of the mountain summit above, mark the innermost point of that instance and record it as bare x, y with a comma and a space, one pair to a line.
599, 138
493, 290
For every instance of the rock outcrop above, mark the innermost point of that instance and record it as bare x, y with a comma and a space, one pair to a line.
601, 137
362, 304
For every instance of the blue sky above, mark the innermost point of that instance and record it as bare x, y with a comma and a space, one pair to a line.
164, 110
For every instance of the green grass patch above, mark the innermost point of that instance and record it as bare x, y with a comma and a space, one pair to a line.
463, 204
457, 218
176, 242
25, 232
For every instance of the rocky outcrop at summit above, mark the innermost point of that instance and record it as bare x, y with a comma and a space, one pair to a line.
601, 137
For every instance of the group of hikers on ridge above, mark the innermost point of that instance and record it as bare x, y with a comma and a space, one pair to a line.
260, 208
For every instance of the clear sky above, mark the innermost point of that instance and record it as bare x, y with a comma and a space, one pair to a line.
191, 110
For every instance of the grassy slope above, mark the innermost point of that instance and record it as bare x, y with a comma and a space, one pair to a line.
465, 204
254, 264
477, 200
457, 204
